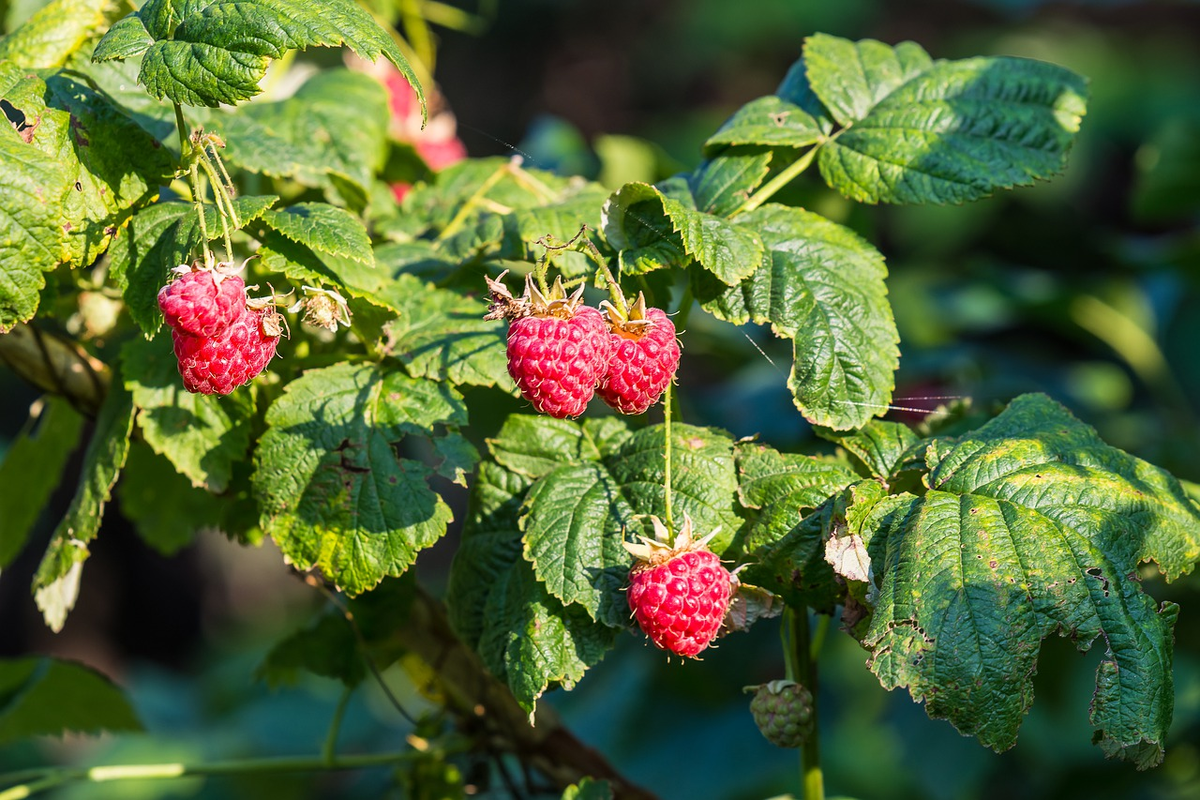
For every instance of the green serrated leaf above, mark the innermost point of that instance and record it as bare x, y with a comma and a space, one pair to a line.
574, 523
127, 38
112, 165
884, 448
30, 225
703, 479
786, 547
324, 229
32, 468
558, 222
203, 436
533, 445
334, 489
50, 696
634, 217
69, 186
442, 335
786, 482
1032, 526
56, 584
352, 279
795, 88
458, 193
166, 510
206, 53
538, 642
768, 121
53, 33
851, 78
140, 260
921, 131
309, 136
823, 287
490, 546
723, 184
524, 636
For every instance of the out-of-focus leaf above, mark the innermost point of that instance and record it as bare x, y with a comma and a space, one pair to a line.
32, 468
50, 696
56, 584
53, 33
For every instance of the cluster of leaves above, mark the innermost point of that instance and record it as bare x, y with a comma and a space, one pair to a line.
954, 550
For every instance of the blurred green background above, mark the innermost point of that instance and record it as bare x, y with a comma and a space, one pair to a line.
1086, 288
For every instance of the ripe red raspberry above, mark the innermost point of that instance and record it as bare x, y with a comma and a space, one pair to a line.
202, 302
220, 364
645, 357
679, 595
557, 347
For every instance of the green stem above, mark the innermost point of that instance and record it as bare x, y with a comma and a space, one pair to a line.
417, 30
198, 201
181, 127
685, 309
667, 470
133, 772
223, 202
465, 211
803, 647
329, 751
768, 190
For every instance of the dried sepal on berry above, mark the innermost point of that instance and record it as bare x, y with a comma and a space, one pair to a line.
323, 308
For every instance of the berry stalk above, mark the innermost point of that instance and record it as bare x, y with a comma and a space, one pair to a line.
801, 663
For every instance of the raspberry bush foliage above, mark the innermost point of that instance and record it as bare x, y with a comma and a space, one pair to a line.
146, 151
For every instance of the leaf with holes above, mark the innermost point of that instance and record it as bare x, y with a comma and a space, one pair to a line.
334, 477
1031, 526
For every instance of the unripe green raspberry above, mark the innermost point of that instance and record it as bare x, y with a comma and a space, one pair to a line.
783, 711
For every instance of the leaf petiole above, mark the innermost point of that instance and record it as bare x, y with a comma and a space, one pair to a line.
768, 190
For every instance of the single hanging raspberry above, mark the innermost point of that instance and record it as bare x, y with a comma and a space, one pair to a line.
219, 364
644, 359
202, 302
557, 347
783, 711
679, 595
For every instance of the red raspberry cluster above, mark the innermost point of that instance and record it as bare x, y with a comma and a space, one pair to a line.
222, 338
679, 595
561, 352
